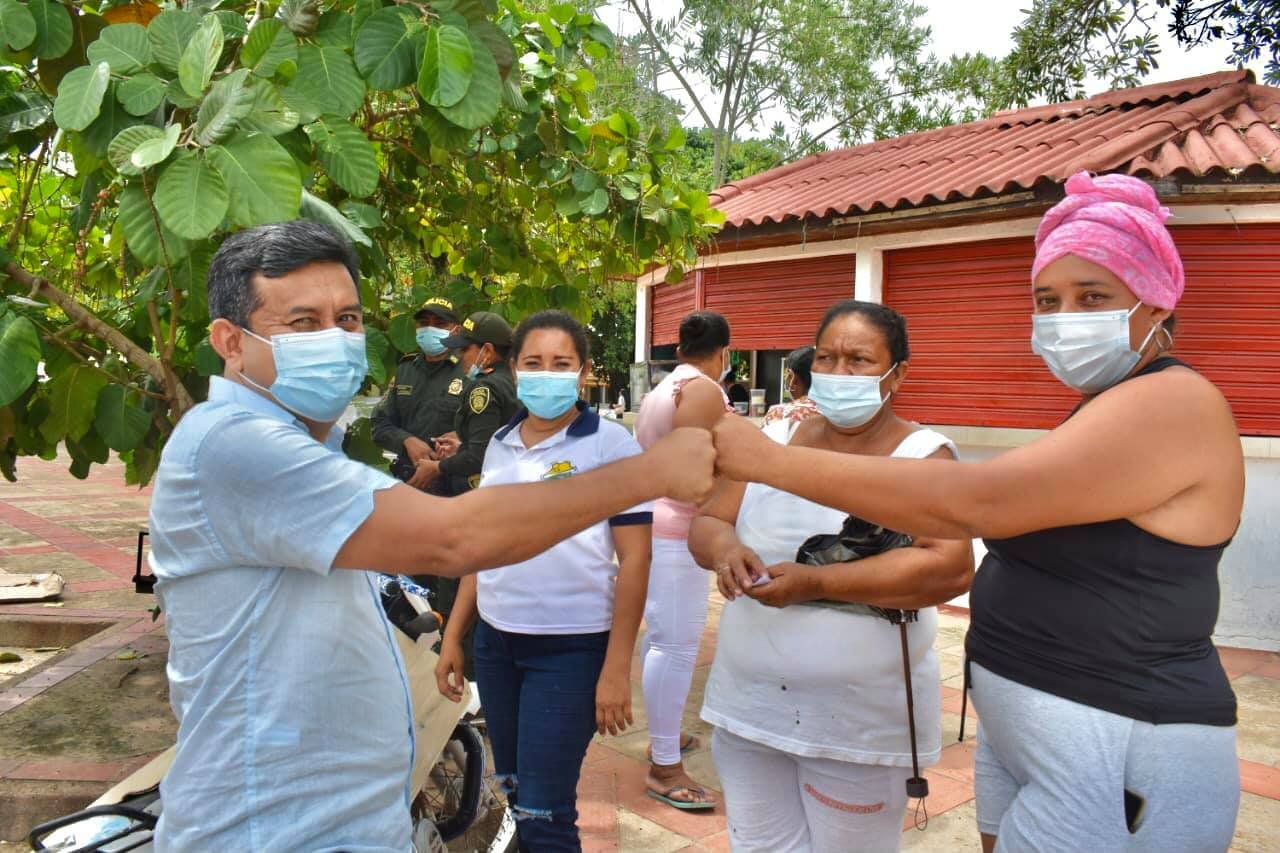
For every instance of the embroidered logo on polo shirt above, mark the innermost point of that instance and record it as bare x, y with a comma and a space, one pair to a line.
560, 470
455, 387
474, 481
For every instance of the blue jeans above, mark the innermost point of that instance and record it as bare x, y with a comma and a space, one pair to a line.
539, 698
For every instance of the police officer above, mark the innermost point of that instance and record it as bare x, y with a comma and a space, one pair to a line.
483, 344
424, 397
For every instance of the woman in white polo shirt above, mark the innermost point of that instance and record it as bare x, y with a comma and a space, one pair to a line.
554, 641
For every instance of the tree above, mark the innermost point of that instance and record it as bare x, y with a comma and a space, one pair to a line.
451, 140
1062, 44
855, 70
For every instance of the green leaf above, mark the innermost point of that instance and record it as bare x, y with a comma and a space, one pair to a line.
54, 35
549, 29
229, 101
441, 132
140, 95
602, 34
17, 25
73, 394
110, 121
121, 424
328, 78
335, 29
169, 34
156, 151
563, 12
403, 333
178, 96
377, 348
234, 25
261, 177
596, 203
499, 45
363, 215
300, 16
207, 361
19, 356
137, 223
675, 139
200, 57
80, 96
191, 197
448, 65
584, 180
270, 44
359, 445
124, 47
319, 210
23, 111
270, 114
386, 49
126, 142
346, 153
484, 97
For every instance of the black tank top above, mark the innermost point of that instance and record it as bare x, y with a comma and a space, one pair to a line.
1107, 615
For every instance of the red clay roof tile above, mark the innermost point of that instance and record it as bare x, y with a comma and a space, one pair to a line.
1220, 122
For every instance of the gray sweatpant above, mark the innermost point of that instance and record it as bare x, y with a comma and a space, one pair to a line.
1051, 775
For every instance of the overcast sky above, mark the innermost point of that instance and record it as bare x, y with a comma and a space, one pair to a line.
957, 28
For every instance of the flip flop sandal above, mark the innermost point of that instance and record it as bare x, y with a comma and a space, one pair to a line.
683, 805
688, 746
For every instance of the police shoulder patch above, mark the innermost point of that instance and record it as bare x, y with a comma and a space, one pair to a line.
455, 387
479, 399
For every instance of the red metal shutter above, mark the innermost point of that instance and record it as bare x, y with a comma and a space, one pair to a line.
968, 310
1229, 319
670, 304
777, 305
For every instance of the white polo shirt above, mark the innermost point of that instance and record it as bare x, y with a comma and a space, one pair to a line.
569, 588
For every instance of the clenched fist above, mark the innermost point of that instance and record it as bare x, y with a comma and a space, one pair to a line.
684, 463
741, 449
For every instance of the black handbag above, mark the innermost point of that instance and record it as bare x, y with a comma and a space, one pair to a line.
857, 539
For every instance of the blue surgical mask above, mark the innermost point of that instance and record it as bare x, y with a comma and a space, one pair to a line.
1087, 350
317, 373
547, 393
431, 340
847, 401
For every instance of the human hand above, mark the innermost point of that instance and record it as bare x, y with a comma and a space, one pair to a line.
428, 470
613, 701
741, 449
684, 463
447, 445
417, 449
737, 571
790, 583
449, 671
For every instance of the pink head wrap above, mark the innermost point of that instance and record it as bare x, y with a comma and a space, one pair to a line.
1114, 221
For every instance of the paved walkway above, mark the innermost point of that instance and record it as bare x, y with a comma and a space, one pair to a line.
51, 718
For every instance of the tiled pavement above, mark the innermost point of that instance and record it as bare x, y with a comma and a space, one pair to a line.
87, 531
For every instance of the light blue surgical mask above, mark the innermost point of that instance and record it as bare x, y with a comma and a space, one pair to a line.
431, 340
1087, 350
847, 401
547, 393
317, 373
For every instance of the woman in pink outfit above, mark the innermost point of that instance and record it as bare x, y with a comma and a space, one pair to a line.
676, 609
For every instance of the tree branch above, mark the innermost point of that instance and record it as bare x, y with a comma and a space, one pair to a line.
179, 399
25, 198
671, 63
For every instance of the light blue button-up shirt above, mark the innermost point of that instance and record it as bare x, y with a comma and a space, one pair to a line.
294, 717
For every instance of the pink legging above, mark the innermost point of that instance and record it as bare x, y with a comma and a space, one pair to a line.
674, 613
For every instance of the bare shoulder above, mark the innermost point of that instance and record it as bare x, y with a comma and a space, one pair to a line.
700, 391
1177, 395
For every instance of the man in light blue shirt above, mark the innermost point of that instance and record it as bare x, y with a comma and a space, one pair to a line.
292, 702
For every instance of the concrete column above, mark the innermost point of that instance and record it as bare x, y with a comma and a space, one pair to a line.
642, 323
868, 275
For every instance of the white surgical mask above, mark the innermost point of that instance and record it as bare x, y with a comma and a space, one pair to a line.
848, 401
1087, 350
317, 373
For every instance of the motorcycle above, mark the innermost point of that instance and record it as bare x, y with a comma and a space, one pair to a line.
457, 808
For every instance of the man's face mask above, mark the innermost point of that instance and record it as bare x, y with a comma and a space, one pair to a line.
317, 373
431, 340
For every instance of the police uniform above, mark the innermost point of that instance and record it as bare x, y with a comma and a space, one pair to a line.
422, 400
489, 402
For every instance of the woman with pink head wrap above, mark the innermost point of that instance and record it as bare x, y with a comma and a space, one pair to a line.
1108, 722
